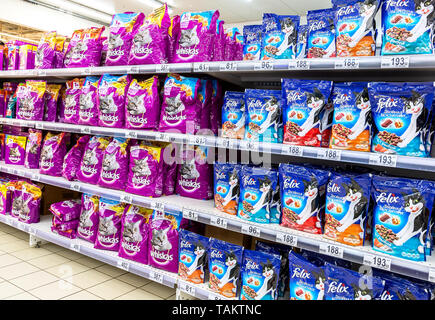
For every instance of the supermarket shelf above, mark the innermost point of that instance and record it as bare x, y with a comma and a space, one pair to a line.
355, 157
204, 212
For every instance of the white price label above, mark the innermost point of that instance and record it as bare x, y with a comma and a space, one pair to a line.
131, 134
251, 230
214, 296
75, 247
124, 265
331, 250
162, 137
287, 239
387, 160
395, 62
75, 186
190, 214
218, 222
85, 130
86, 71
39, 125
36, 177
197, 140
201, 67
264, 65
299, 64
431, 275
347, 63
226, 143
294, 151
329, 154
42, 73
187, 288
162, 68
126, 198
228, 66
131, 70
377, 261
158, 206
249, 145
157, 277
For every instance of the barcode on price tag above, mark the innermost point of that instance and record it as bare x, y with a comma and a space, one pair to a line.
431, 276
214, 296
75, 187
218, 222
251, 230
331, 250
264, 65
187, 288
124, 265
75, 247
228, 66
126, 198
299, 65
287, 239
197, 140
201, 67
157, 277
347, 63
294, 151
190, 214
395, 62
131, 134
329, 154
377, 261
383, 160
162, 68
85, 130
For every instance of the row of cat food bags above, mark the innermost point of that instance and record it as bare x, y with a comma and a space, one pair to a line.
347, 207
347, 29
184, 105
384, 117
17, 55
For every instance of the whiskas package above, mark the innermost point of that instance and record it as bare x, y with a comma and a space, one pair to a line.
30, 105
225, 260
400, 116
401, 215
163, 243
260, 274
89, 218
109, 226
26, 202
321, 34
71, 161
88, 102
344, 284
256, 187
302, 192
142, 104
3, 197
279, 36
351, 124
112, 91
216, 106
303, 103
355, 27
52, 153
301, 47
15, 147
65, 211
92, 161
205, 97
33, 149
72, 101
193, 264
45, 52
27, 57
264, 122
252, 42
347, 201
173, 32
64, 226
135, 233
84, 48
122, 30
226, 187
407, 27
233, 115
114, 170
52, 94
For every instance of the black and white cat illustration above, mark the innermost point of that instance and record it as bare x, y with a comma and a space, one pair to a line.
273, 116
131, 232
47, 153
75, 52
142, 38
70, 102
241, 123
266, 194
27, 104
141, 167
270, 281
414, 106
330, 51
107, 104
174, 105
188, 170
327, 117
315, 101
357, 206
408, 295
90, 157
136, 105
110, 163
86, 102
311, 206
200, 259
361, 293
320, 283
115, 41
276, 203
20, 207
425, 8
232, 273
106, 226
362, 102
39, 57
85, 218
289, 29
367, 11
160, 239
14, 153
189, 38
234, 191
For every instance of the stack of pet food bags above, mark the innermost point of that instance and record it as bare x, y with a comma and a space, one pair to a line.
66, 216
25, 200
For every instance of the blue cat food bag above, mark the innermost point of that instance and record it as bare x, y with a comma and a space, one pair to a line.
302, 191
226, 187
252, 42
233, 115
344, 284
400, 116
307, 280
400, 216
347, 202
321, 34
398, 288
302, 105
301, 48
430, 131
256, 187
275, 206
224, 261
279, 36
355, 27
263, 123
407, 27
260, 274
193, 257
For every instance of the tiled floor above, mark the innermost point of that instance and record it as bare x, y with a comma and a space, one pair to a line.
52, 273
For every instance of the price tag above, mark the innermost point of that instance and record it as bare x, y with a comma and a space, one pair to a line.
36, 177
201, 67
228, 66
162, 68
124, 265
432, 274
190, 214
158, 206
75, 247
126, 198
214, 296
131, 134
331, 250
329, 154
347, 63
162, 137
226, 143
251, 230
395, 62
387, 160
85, 130
75, 186
187, 288
218, 222
131, 70
39, 125
264, 65
294, 151
287, 239
157, 277
42, 73
86, 71
301, 64
197, 140
377, 261
249, 145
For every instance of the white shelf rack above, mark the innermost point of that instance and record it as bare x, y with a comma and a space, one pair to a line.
204, 212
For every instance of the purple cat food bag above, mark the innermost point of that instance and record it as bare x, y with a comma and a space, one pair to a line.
61, 104
3, 103
64, 226
88, 113
92, 161
71, 162
89, 218
173, 32
72, 101
13, 57
216, 107
52, 153
195, 174
135, 232
195, 41
30, 101
112, 91
26, 202
114, 171
15, 147
27, 57
84, 49
109, 226
68, 210
3, 197
169, 170
219, 45
33, 149
150, 41
51, 101
205, 97
122, 29
146, 167
163, 241
181, 107
142, 105
45, 54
